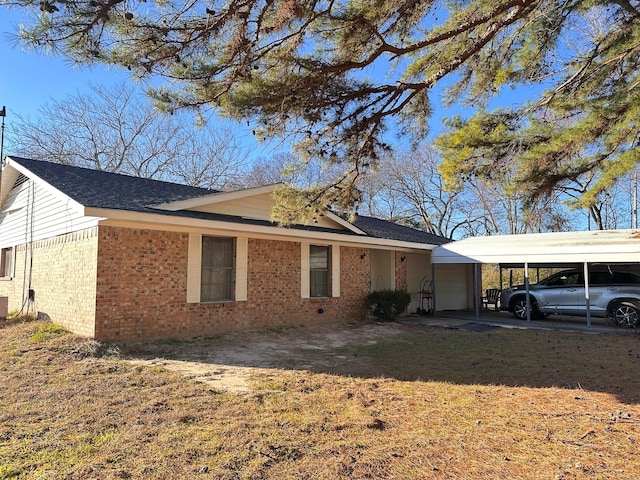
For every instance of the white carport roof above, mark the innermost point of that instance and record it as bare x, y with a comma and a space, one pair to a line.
601, 246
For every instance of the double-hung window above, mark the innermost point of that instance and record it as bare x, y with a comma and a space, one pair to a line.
6, 262
319, 278
216, 269
320, 272
217, 273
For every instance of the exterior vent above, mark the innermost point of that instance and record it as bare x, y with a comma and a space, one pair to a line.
20, 180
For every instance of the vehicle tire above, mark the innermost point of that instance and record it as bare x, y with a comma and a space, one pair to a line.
519, 308
626, 314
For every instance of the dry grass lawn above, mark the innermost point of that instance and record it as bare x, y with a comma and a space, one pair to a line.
420, 403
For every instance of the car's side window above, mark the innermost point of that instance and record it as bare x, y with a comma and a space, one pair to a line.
601, 278
565, 279
556, 281
574, 279
626, 277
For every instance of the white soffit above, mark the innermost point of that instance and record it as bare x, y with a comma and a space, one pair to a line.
9, 177
601, 246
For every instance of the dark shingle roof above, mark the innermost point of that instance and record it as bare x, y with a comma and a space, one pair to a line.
95, 188
384, 229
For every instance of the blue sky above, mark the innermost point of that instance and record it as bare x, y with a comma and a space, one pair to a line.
30, 79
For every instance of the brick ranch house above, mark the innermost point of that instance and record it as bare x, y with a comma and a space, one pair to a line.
116, 257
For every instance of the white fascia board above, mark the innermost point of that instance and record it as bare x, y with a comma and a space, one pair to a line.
602, 246
196, 202
156, 221
54, 191
344, 223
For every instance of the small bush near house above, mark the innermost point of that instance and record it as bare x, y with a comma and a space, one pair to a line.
386, 305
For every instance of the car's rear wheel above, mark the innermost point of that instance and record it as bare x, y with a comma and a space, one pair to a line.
519, 308
626, 314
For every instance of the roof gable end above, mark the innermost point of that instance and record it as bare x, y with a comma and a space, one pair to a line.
13, 171
254, 203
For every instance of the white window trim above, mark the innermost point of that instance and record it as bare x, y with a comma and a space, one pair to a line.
194, 264
12, 267
242, 269
305, 273
335, 271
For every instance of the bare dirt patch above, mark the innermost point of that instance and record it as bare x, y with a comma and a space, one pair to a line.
227, 362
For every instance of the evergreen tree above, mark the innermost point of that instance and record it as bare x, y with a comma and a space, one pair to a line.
336, 76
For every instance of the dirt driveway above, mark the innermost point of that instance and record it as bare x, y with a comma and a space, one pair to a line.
226, 362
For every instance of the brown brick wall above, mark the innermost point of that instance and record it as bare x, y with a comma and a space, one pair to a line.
62, 271
141, 288
401, 271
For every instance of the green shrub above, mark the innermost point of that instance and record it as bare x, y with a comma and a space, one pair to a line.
386, 305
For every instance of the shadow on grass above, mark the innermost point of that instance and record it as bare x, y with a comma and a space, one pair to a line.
605, 363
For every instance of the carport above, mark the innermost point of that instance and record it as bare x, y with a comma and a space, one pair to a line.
542, 249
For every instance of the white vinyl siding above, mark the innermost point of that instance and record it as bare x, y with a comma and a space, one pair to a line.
32, 213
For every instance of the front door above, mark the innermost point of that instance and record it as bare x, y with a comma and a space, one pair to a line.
382, 276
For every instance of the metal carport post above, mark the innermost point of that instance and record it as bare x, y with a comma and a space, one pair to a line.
526, 292
476, 290
586, 293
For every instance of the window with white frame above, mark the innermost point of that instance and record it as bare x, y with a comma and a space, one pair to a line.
6, 262
319, 270
217, 269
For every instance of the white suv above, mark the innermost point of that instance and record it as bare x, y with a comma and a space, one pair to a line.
613, 292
